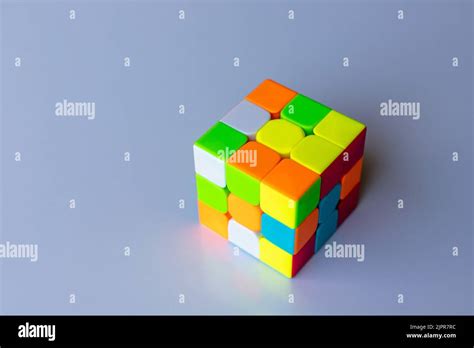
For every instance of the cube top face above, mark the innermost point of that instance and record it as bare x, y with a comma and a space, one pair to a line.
304, 112
291, 179
271, 96
221, 138
339, 129
280, 135
254, 159
247, 118
316, 153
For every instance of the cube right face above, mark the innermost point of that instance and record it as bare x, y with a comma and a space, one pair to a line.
278, 174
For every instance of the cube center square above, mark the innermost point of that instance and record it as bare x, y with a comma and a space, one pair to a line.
278, 174
280, 135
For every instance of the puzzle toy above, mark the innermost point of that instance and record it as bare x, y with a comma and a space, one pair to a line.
278, 174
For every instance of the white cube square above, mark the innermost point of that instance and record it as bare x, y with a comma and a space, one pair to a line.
209, 166
247, 118
244, 238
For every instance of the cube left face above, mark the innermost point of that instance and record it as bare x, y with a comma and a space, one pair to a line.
213, 148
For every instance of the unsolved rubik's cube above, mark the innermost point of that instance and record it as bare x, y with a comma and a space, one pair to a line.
278, 174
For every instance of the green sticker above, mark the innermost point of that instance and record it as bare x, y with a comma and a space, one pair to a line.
211, 194
304, 112
221, 140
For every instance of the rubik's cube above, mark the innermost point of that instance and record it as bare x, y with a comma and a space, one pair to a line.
278, 174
